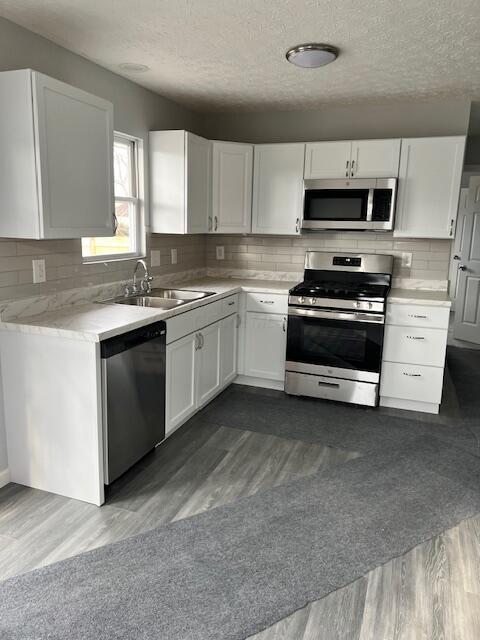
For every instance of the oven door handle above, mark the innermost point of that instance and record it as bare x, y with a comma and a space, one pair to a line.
337, 315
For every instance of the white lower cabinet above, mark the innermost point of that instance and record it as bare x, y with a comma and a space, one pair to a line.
265, 344
414, 357
180, 384
200, 364
208, 363
228, 349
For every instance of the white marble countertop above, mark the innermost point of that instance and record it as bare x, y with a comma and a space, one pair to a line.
418, 296
96, 321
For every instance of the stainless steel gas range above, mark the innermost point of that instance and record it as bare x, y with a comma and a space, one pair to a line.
336, 320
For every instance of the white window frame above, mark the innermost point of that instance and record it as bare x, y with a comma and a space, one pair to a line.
138, 200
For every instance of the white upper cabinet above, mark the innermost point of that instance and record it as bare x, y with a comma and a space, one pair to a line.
375, 159
328, 159
278, 188
352, 159
180, 178
429, 187
56, 161
232, 187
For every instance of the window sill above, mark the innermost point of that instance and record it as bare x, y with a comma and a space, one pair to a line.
108, 259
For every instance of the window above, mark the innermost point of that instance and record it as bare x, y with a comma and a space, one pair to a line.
127, 241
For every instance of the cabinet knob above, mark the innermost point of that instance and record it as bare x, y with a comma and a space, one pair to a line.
462, 267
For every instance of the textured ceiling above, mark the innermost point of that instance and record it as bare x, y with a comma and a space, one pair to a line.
229, 54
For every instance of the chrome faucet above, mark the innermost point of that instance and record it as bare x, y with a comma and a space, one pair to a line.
145, 283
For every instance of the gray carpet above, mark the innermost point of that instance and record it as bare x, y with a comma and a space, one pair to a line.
232, 571
351, 427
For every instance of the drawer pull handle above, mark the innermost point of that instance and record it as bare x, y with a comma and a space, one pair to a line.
416, 337
267, 301
230, 303
412, 375
415, 315
335, 385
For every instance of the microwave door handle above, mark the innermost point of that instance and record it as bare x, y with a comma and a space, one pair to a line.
370, 205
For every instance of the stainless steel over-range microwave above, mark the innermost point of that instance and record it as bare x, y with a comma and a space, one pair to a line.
350, 204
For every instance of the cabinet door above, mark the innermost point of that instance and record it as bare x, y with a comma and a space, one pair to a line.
232, 187
265, 344
328, 159
375, 159
208, 364
197, 183
429, 187
74, 140
180, 381
278, 188
228, 349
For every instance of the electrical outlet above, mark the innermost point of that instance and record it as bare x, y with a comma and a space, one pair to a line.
220, 253
39, 272
406, 260
174, 256
155, 257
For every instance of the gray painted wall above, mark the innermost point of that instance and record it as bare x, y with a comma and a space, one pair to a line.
136, 110
403, 119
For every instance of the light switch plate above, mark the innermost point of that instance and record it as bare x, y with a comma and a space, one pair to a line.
220, 253
174, 256
155, 257
39, 272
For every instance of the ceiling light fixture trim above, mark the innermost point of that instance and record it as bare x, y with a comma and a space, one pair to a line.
312, 55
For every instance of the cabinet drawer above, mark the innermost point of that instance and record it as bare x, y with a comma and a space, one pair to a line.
418, 316
229, 305
414, 345
267, 302
190, 321
411, 382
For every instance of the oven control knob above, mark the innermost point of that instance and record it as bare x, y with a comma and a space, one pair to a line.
313, 300
357, 304
370, 305
301, 299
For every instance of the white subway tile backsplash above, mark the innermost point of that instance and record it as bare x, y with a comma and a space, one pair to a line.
430, 258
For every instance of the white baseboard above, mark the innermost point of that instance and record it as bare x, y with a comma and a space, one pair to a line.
260, 382
4, 477
409, 405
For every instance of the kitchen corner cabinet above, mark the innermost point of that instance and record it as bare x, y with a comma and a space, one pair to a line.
180, 178
278, 188
56, 161
352, 159
429, 187
232, 167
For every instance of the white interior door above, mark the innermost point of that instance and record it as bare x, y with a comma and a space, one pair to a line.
467, 307
458, 244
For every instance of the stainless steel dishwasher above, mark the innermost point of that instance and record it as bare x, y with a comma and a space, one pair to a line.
133, 394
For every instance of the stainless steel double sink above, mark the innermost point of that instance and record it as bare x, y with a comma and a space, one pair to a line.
162, 298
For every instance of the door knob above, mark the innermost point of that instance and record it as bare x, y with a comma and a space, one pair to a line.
462, 267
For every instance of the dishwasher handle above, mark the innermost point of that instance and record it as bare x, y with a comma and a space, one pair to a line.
123, 342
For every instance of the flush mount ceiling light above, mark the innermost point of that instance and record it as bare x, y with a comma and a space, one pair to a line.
132, 67
312, 55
